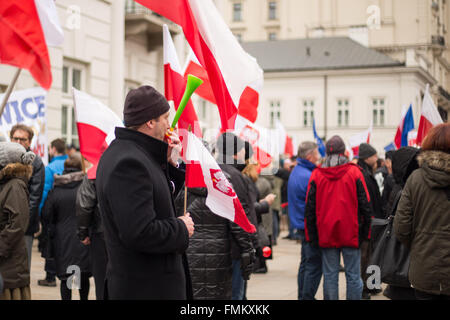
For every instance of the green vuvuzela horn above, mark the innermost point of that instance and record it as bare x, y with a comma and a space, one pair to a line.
192, 84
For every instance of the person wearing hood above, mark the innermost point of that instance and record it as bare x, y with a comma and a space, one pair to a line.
209, 252
310, 268
15, 172
422, 219
231, 153
60, 215
404, 162
340, 223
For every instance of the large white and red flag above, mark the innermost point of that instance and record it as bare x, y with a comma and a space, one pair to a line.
194, 67
95, 123
357, 139
175, 85
429, 118
234, 74
286, 145
265, 142
27, 27
202, 170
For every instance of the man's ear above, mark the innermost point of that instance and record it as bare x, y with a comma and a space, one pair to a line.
150, 124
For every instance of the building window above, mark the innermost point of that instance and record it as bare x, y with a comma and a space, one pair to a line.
72, 76
275, 112
272, 10
343, 107
238, 37
378, 111
272, 36
237, 11
3, 88
308, 113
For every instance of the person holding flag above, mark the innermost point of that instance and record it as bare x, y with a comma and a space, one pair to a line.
137, 179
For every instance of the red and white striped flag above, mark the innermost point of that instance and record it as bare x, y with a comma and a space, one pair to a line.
357, 139
27, 28
96, 124
429, 118
175, 84
234, 75
203, 171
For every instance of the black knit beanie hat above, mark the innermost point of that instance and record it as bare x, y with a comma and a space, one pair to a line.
143, 104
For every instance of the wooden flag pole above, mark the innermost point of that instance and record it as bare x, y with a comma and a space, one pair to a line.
9, 91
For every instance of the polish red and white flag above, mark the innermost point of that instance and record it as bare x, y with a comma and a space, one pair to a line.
194, 67
235, 76
175, 85
265, 142
96, 124
202, 170
429, 118
27, 28
357, 139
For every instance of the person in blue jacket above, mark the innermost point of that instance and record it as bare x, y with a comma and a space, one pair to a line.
310, 269
57, 152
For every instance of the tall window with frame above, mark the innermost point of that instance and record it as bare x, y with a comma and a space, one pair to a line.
237, 11
343, 112
308, 112
272, 10
378, 111
275, 112
73, 76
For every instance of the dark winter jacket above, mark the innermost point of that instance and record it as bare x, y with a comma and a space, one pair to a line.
209, 252
35, 188
404, 162
241, 187
145, 240
337, 212
284, 175
87, 210
422, 223
14, 217
59, 213
374, 191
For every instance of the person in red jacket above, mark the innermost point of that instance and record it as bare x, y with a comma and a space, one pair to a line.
337, 219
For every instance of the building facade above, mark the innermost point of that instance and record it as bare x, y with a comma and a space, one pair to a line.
112, 46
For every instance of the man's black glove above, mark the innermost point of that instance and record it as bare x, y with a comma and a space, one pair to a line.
247, 260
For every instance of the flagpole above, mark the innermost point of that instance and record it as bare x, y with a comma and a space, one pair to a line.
185, 187
9, 91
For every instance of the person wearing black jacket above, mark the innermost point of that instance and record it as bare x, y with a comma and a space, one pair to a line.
136, 182
90, 232
59, 214
404, 162
231, 159
209, 251
388, 183
367, 161
23, 134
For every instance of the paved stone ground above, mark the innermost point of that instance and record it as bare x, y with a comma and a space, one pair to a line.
279, 283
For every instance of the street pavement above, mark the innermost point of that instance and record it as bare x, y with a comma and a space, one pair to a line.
279, 283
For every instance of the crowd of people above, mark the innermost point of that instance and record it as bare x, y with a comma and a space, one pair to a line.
137, 232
